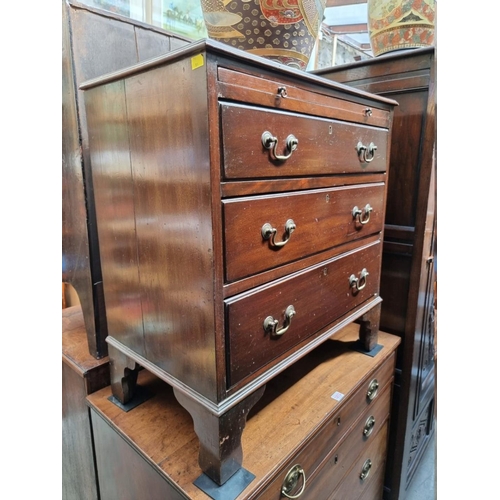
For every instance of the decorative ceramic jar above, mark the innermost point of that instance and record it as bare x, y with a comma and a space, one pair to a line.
281, 30
400, 24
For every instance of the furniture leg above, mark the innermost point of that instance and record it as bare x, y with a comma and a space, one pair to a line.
368, 328
123, 372
221, 454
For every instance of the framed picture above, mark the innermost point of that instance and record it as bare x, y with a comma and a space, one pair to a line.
183, 17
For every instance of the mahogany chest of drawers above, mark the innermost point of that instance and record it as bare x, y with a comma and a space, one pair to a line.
240, 207
319, 432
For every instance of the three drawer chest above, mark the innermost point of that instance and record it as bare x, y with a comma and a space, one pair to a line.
240, 209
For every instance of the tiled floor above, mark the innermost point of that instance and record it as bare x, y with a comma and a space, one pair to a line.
423, 485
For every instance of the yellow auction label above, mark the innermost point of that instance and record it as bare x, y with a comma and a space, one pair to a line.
197, 61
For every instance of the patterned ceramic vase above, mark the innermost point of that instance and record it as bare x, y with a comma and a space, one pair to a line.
400, 24
282, 30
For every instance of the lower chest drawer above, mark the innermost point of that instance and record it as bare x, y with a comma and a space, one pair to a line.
315, 471
268, 321
339, 462
364, 478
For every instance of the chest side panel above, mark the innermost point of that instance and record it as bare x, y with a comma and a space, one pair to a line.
167, 115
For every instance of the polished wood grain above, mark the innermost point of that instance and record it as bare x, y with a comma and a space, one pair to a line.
323, 219
249, 186
318, 294
324, 146
293, 410
164, 217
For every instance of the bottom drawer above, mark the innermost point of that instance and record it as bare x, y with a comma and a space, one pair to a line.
364, 475
376, 488
338, 442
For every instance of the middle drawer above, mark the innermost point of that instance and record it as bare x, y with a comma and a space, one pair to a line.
298, 306
321, 218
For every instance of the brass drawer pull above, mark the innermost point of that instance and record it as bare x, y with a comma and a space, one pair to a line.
366, 154
269, 233
369, 426
372, 389
365, 470
269, 141
362, 216
358, 283
271, 324
282, 92
291, 480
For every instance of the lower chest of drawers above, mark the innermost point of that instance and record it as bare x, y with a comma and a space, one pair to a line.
239, 226
348, 449
320, 431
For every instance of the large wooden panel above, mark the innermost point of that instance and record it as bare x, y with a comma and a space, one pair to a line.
123, 474
173, 221
163, 216
113, 184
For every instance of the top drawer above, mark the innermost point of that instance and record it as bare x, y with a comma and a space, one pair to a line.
260, 142
289, 96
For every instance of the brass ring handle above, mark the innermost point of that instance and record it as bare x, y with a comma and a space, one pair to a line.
358, 283
369, 426
269, 233
269, 141
291, 480
365, 470
357, 214
366, 154
372, 389
271, 324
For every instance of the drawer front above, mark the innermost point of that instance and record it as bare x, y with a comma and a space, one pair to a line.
322, 451
322, 219
341, 458
366, 469
319, 295
324, 146
242, 87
